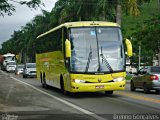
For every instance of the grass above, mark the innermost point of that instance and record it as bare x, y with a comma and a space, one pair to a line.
128, 77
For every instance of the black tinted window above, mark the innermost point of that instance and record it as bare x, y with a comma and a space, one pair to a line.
31, 65
20, 66
155, 69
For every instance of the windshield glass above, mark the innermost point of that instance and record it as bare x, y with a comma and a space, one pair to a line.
31, 65
110, 48
20, 66
96, 49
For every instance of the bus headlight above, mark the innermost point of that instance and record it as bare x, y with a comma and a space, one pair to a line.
78, 81
119, 79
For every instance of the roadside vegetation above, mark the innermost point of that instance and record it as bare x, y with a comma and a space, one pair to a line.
144, 28
7, 6
128, 77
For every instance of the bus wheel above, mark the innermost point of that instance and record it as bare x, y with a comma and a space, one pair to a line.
108, 92
44, 81
62, 86
41, 80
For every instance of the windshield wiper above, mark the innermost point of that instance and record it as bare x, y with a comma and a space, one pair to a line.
106, 61
89, 59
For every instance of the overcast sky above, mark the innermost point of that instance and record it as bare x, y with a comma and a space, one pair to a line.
23, 14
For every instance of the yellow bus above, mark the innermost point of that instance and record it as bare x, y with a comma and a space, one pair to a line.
85, 56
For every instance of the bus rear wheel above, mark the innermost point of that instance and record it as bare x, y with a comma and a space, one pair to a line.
41, 80
44, 84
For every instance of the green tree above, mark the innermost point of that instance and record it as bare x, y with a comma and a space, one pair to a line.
148, 36
64, 11
7, 6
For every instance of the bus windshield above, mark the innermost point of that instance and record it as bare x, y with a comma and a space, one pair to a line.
96, 49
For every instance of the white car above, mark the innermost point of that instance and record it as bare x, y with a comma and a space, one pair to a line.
29, 70
10, 66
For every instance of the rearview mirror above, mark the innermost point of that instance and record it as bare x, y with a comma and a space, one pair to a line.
68, 48
129, 47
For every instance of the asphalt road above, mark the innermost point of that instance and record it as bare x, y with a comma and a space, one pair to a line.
121, 105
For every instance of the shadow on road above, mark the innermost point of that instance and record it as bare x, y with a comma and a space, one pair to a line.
83, 94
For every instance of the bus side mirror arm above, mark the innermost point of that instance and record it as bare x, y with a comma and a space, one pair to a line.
68, 48
129, 47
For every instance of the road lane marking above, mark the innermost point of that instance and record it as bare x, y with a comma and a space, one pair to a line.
63, 101
138, 97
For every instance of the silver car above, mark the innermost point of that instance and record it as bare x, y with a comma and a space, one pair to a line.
148, 78
29, 70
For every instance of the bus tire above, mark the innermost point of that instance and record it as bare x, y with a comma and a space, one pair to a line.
108, 92
44, 81
62, 86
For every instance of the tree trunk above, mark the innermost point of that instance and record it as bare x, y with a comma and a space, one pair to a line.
118, 13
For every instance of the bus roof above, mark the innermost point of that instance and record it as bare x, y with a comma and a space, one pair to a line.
81, 24
89, 23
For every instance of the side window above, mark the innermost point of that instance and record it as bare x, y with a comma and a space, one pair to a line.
58, 39
50, 42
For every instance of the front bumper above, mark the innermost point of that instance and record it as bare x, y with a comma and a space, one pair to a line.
95, 87
10, 69
31, 74
156, 84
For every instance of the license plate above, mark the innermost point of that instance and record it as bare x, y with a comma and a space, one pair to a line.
99, 86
